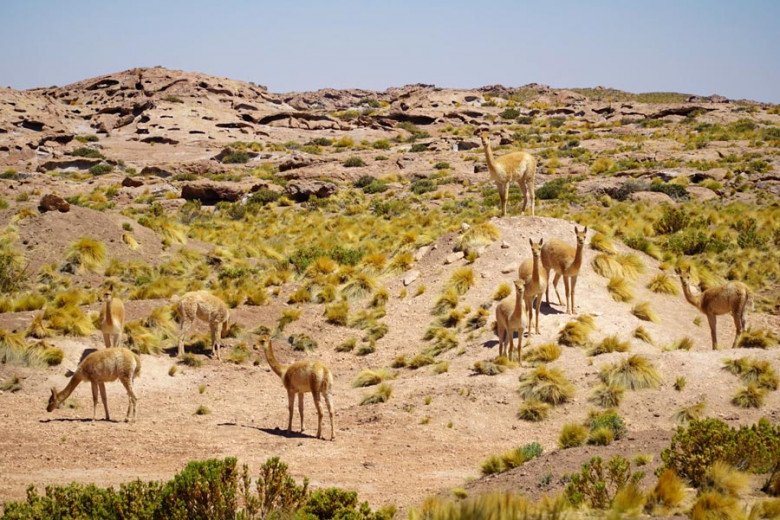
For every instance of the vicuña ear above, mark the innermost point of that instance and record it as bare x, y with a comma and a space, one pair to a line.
541, 241
585, 230
53, 392
530, 241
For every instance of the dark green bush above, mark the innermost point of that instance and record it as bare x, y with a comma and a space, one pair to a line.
353, 162
748, 235
376, 187
87, 152
558, 188
87, 138
607, 419
420, 186
263, 196
236, 157
321, 141
675, 191
510, 113
276, 491
207, 489
419, 147
302, 258
695, 448
442, 166
364, 180
630, 187
101, 169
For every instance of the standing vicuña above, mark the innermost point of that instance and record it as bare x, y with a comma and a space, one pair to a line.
112, 318
207, 307
534, 277
565, 261
519, 167
101, 367
732, 297
299, 378
510, 315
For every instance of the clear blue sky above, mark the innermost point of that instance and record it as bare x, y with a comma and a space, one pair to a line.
728, 47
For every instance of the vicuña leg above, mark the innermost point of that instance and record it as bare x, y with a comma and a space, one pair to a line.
555, 286
300, 408
573, 283
713, 330
316, 395
184, 330
326, 395
739, 324
133, 400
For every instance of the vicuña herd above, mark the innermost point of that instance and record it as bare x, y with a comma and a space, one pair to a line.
515, 313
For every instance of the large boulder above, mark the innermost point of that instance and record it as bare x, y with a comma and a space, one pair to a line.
651, 197
301, 190
210, 192
53, 202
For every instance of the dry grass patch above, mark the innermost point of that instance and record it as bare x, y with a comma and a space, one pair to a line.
712, 505
664, 284
85, 254
634, 373
462, 280
690, 413
608, 345
757, 338
642, 334
502, 292
533, 411
572, 435
631, 265
603, 243
753, 372
620, 290
607, 266
667, 494
543, 353
419, 361
724, 478
576, 333
644, 312
607, 396
368, 377
478, 236
749, 397
380, 395
546, 384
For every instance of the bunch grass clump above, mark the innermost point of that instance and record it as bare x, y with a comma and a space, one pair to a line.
548, 385
603, 243
576, 333
690, 413
642, 334
493, 367
69, 319
757, 338
752, 396
608, 345
446, 302
572, 435
477, 236
634, 373
664, 284
753, 372
502, 292
607, 266
715, 505
620, 290
38, 328
607, 396
722, 477
368, 377
511, 459
86, 254
462, 280
419, 361
631, 265
644, 312
533, 410
543, 353
380, 395
667, 494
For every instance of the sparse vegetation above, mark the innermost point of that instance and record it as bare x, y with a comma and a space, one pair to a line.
633, 373
548, 385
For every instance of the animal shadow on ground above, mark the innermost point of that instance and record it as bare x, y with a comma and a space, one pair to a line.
279, 432
76, 419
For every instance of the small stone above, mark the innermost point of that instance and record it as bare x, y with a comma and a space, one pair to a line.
453, 257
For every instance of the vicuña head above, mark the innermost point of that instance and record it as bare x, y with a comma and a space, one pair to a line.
299, 378
99, 368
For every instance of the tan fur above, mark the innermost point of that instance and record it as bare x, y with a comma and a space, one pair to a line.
299, 378
510, 317
101, 367
519, 167
732, 298
112, 318
207, 307
566, 261
533, 275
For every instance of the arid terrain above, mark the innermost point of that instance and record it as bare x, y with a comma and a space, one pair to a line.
169, 138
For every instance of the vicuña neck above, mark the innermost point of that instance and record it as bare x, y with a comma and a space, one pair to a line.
72, 384
272, 362
694, 300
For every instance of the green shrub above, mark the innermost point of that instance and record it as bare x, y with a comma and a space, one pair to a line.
671, 221
236, 157
559, 188
598, 484
675, 191
101, 169
608, 419
263, 196
510, 113
87, 152
277, 492
419, 147
353, 162
695, 448
420, 186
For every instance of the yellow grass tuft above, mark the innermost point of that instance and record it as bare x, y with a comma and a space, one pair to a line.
668, 493
488, 368
749, 397
766, 510
572, 435
603, 243
634, 373
753, 372
757, 338
360, 286
368, 377
632, 265
533, 411
419, 361
711, 505
37, 328
690, 413
337, 313
86, 254
542, 354
644, 312
447, 301
70, 320
725, 479
576, 333
685, 343
620, 290
462, 280
380, 395
664, 284
629, 501
608, 345
607, 266
478, 236
641, 333
607, 396
502, 292
546, 384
